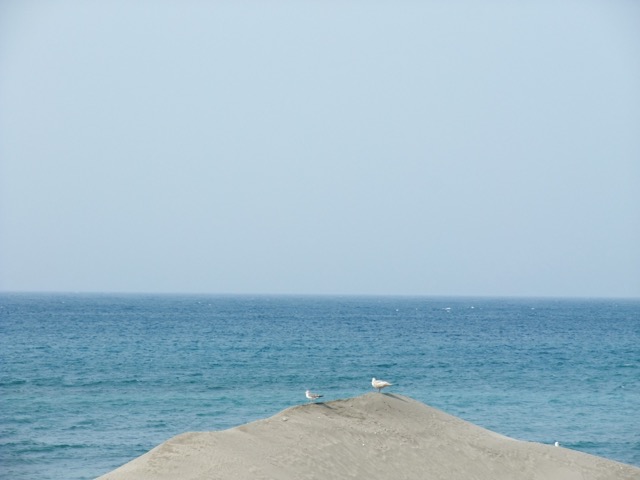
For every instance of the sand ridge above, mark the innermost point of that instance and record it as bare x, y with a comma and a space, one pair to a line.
373, 436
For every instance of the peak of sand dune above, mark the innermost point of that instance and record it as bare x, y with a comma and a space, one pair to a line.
373, 436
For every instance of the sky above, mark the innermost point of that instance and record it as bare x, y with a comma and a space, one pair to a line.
437, 148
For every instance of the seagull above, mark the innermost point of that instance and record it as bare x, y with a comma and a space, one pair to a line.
557, 444
312, 396
379, 384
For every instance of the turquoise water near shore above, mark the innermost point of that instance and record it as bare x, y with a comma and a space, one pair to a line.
89, 382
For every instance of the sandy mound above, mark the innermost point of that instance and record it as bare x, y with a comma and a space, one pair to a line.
374, 436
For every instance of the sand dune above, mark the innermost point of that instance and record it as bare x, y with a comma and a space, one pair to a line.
374, 436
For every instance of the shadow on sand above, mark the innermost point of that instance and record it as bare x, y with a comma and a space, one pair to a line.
392, 395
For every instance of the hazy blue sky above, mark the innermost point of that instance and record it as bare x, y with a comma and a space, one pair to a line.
352, 147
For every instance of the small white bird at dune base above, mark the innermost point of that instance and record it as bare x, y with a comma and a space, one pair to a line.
379, 384
312, 396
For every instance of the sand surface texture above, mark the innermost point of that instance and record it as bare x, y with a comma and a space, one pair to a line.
374, 436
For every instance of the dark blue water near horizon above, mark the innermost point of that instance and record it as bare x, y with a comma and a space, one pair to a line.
89, 382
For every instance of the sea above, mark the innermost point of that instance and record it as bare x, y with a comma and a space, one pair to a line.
89, 382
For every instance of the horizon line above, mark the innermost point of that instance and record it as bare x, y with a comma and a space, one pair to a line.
326, 295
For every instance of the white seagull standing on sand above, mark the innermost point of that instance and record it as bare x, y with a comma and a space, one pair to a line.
312, 396
379, 384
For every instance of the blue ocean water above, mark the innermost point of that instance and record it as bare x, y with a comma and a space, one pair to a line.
89, 382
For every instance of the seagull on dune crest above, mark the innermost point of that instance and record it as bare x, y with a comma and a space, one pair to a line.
312, 396
379, 384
